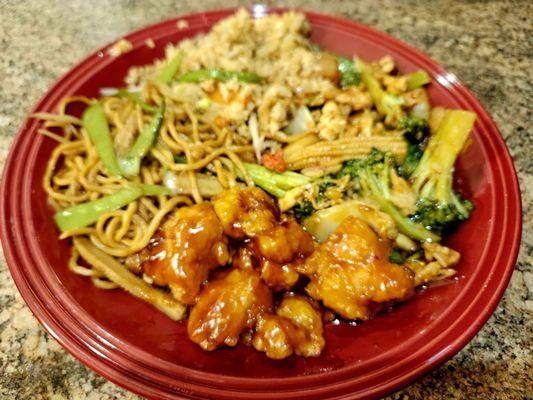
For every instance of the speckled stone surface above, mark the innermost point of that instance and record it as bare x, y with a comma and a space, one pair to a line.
488, 44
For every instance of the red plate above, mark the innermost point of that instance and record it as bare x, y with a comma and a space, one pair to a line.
133, 345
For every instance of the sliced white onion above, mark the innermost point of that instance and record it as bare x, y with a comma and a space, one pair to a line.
169, 180
324, 222
257, 141
302, 121
208, 185
421, 110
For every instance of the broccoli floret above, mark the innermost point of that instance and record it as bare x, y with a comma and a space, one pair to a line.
412, 158
439, 207
372, 179
349, 74
303, 210
441, 218
416, 130
396, 257
353, 167
322, 188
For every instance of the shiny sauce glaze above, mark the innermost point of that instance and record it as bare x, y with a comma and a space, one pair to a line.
270, 295
350, 272
228, 306
187, 246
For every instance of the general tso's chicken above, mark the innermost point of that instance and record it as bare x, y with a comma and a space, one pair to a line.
350, 272
285, 242
228, 306
245, 212
187, 246
273, 245
276, 276
296, 328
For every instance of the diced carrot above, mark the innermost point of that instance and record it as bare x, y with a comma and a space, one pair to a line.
274, 161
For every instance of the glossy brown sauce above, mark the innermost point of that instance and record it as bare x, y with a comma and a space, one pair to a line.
272, 257
187, 246
350, 271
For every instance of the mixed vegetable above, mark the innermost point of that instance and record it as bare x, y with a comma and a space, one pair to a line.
410, 195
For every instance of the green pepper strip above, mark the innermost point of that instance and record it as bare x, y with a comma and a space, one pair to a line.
85, 214
131, 163
167, 73
418, 79
136, 99
220, 75
95, 123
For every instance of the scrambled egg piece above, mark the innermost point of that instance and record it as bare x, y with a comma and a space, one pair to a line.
332, 121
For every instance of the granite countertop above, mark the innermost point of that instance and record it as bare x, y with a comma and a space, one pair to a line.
486, 43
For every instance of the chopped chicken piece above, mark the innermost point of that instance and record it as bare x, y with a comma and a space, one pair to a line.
296, 327
350, 272
277, 276
285, 242
277, 254
245, 258
272, 246
245, 212
395, 84
355, 98
187, 246
307, 318
273, 336
226, 307
332, 122
252, 213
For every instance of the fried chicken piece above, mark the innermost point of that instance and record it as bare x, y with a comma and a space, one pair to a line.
251, 213
296, 327
245, 212
228, 306
285, 242
350, 272
273, 336
278, 276
272, 246
188, 245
